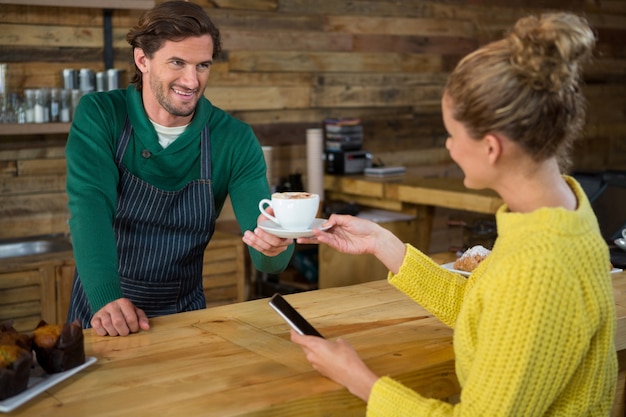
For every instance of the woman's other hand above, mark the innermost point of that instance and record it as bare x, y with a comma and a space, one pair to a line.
338, 361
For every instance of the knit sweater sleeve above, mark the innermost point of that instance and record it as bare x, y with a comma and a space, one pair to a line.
434, 288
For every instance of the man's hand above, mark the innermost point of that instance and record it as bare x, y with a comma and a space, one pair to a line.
266, 243
119, 318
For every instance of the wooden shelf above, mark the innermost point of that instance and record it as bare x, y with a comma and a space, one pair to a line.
33, 128
56, 128
93, 4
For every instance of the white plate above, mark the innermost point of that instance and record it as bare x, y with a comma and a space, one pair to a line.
450, 267
38, 382
277, 230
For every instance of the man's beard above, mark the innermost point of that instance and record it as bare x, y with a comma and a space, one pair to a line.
166, 103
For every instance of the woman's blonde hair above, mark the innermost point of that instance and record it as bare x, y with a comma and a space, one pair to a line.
527, 86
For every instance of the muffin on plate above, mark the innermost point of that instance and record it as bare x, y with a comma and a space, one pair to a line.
10, 336
15, 364
59, 347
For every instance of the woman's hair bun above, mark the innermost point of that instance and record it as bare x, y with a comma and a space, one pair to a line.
549, 51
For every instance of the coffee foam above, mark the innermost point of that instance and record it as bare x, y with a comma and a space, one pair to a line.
292, 195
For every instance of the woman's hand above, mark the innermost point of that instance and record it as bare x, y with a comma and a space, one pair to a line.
353, 235
338, 361
347, 234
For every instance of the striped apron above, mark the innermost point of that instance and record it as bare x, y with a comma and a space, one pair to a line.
161, 236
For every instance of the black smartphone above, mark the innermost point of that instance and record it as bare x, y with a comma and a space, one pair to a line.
291, 316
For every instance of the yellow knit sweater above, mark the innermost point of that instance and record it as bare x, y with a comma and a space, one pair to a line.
533, 325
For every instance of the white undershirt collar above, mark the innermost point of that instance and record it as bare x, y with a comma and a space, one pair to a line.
167, 135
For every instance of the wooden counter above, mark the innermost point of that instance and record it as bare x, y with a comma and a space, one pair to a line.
412, 195
237, 360
38, 287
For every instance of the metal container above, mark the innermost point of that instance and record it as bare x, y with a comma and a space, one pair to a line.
101, 81
3, 79
114, 78
4, 94
75, 98
70, 78
86, 80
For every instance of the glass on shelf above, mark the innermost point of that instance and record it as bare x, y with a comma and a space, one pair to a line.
10, 109
20, 109
29, 101
55, 105
66, 106
39, 109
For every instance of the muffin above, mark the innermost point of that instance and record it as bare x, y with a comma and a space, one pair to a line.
471, 258
15, 364
59, 347
10, 336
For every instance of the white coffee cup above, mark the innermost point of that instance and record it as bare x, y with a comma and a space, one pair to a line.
293, 210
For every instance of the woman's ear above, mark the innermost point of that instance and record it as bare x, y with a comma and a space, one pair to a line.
493, 147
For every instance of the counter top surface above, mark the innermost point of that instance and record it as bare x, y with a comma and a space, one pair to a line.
237, 359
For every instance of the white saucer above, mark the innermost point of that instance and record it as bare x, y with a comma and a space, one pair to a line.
277, 230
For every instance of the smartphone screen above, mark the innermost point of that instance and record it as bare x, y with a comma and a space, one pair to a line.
291, 316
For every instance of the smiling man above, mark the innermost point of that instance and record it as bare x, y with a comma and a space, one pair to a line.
148, 170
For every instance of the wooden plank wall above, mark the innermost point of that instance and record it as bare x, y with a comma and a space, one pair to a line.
288, 64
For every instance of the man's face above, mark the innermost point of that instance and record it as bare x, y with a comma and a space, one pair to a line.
174, 79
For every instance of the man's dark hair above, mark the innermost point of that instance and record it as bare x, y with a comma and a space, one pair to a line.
170, 21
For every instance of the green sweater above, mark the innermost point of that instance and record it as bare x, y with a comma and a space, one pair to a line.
238, 170
533, 325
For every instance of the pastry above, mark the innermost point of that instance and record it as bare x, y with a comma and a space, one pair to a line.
46, 335
59, 347
15, 364
10, 336
471, 258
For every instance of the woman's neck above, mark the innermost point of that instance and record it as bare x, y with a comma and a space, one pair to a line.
541, 185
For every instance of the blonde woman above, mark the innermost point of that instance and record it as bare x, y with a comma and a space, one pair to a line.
534, 323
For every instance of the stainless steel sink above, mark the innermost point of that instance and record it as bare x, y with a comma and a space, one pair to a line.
33, 246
